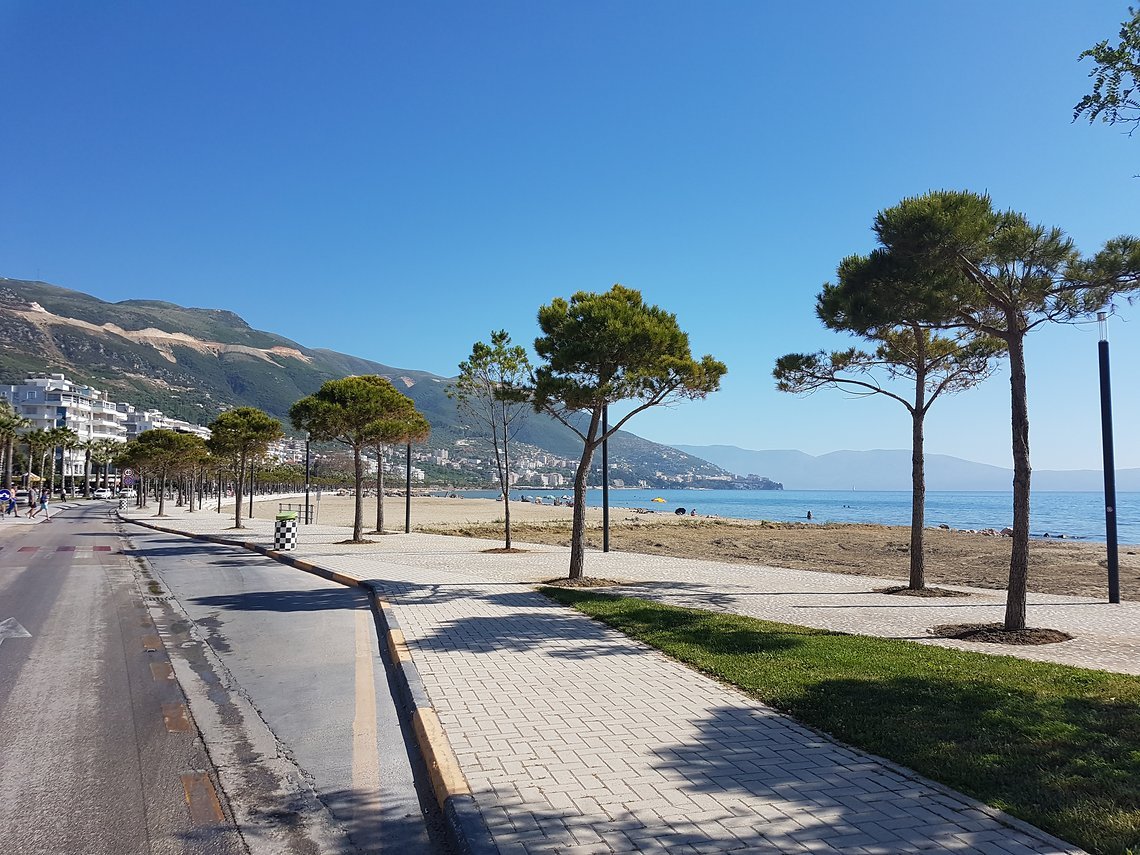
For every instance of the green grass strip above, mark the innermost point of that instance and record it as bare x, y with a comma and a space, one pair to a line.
1056, 746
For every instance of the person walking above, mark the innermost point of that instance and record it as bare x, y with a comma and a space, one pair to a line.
12, 508
43, 506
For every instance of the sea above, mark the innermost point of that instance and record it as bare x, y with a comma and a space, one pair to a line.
1070, 516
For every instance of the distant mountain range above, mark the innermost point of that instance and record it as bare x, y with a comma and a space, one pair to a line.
890, 470
193, 363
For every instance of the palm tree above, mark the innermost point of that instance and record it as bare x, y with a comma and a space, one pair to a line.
38, 443
69, 445
61, 438
11, 424
86, 445
103, 451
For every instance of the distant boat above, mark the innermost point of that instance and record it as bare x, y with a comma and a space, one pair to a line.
658, 499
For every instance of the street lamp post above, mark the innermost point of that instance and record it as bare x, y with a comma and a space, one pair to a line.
605, 479
408, 491
1109, 462
307, 438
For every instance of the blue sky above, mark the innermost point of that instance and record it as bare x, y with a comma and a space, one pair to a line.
396, 180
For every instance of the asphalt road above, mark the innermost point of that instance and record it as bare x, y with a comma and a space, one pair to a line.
96, 751
312, 685
173, 696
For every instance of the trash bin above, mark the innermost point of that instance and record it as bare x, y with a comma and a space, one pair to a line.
285, 531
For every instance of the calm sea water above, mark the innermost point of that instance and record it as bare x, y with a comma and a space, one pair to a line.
1079, 516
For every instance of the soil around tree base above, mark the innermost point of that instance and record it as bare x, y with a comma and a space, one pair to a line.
582, 582
904, 591
996, 633
351, 542
502, 550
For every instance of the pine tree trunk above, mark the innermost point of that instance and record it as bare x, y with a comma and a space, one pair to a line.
917, 502
1019, 556
578, 534
358, 517
162, 494
505, 486
237, 491
918, 470
87, 474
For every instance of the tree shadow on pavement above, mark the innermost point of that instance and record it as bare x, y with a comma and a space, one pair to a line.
1069, 765
180, 547
318, 599
542, 628
361, 823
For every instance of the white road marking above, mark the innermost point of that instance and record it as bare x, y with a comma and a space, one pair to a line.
9, 628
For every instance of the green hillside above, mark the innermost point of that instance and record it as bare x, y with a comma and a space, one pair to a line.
193, 363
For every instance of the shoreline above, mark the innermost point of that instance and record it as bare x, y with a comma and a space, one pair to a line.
1057, 566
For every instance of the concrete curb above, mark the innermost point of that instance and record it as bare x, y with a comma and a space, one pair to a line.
465, 823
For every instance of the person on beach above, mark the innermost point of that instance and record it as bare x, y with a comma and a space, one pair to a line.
809, 515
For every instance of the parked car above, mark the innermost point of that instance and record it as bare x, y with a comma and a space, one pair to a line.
128, 494
103, 493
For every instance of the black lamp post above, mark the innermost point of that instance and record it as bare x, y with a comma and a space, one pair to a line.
408, 492
605, 479
307, 438
1109, 462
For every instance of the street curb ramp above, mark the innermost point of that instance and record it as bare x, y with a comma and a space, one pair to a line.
464, 822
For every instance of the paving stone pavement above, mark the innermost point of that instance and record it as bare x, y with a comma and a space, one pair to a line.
576, 739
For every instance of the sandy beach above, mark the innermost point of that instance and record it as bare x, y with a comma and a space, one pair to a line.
953, 557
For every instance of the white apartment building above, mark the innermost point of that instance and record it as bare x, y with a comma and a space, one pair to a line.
53, 401
137, 421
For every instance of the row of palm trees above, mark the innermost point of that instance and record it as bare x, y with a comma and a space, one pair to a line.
53, 443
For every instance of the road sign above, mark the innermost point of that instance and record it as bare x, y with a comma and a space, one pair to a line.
128, 480
5, 495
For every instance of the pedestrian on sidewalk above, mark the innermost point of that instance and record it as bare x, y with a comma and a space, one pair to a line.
43, 506
12, 508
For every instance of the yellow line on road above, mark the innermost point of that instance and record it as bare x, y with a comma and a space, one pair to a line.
365, 756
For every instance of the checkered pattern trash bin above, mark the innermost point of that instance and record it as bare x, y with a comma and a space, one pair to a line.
285, 531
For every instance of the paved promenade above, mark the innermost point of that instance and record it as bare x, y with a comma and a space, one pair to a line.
575, 739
